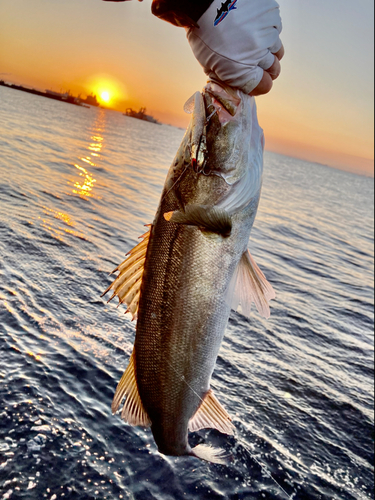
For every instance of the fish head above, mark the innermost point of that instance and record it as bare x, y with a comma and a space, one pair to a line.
220, 160
234, 138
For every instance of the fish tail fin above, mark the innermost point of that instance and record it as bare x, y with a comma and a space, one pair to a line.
210, 454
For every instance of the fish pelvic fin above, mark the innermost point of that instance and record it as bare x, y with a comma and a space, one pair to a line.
249, 285
133, 411
209, 219
128, 283
210, 454
211, 415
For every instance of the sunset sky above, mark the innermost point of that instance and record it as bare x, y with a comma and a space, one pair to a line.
320, 109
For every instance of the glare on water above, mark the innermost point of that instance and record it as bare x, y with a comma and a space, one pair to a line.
77, 187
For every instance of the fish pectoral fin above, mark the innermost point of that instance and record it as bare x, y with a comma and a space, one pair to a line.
133, 411
209, 219
128, 283
211, 415
251, 286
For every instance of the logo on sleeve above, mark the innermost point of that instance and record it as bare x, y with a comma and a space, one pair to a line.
224, 10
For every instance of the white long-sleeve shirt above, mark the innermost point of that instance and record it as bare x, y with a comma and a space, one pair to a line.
236, 40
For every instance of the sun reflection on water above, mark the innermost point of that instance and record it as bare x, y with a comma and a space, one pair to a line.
58, 232
84, 188
83, 185
37, 357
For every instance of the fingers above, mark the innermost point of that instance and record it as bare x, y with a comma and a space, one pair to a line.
280, 53
269, 75
264, 86
275, 70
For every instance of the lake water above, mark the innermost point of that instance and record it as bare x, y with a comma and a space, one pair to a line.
76, 187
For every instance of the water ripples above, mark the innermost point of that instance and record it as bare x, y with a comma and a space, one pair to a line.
76, 187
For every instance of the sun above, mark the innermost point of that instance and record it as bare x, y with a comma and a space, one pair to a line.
105, 96
110, 92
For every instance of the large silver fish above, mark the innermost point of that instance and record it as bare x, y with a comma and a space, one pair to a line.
191, 268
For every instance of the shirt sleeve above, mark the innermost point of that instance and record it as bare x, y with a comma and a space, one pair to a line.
236, 41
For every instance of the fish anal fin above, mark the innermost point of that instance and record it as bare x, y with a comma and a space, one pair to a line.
133, 411
211, 415
209, 219
251, 286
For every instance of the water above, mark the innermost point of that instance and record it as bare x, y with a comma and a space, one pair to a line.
76, 187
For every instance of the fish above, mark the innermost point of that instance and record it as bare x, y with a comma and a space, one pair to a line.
190, 269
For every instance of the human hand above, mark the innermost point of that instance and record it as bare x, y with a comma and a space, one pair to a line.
269, 75
242, 48
240, 44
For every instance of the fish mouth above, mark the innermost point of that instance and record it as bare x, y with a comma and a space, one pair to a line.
214, 108
226, 100
219, 108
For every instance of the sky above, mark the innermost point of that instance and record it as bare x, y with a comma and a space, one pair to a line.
320, 109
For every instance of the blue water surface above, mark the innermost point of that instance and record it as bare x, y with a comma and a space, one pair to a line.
76, 187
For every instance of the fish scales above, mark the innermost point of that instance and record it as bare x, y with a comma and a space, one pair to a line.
178, 333
182, 318
197, 250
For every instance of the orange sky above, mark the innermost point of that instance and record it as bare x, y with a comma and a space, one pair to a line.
321, 108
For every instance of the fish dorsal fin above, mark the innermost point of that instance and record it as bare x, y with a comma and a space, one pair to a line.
211, 219
128, 283
251, 286
133, 412
211, 415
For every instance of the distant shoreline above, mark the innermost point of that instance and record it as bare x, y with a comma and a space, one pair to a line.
346, 164
55, 96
